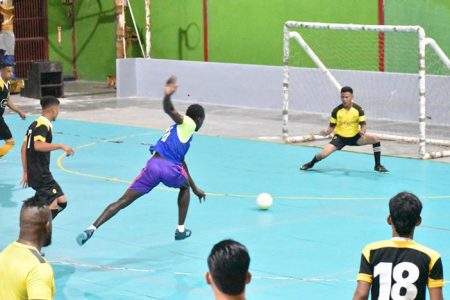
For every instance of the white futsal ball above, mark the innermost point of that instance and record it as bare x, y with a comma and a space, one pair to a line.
264, 201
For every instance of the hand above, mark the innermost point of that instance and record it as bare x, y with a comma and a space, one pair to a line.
24, 181
200, 194
22, 115
171, 85
324, 132
69, 151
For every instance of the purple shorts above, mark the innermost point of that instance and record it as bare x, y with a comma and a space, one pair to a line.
159, 170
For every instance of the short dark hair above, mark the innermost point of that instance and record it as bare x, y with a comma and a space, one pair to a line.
228, 264
345, 89
405, 209
195, 111
48, 101
6, 64
34, 202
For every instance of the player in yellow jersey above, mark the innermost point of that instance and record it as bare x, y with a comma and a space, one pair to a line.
6, 72
400, 268
349, 123
24, 273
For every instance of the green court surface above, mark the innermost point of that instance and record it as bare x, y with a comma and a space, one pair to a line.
306, 246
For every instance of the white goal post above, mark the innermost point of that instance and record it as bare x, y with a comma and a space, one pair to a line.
291, 32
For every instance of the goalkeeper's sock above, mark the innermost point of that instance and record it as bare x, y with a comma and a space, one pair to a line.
377, 153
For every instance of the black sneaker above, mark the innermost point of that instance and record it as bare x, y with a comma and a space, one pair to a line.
182, 235
306, 166
381, 169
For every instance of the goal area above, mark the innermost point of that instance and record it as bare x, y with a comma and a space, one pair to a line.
399, 76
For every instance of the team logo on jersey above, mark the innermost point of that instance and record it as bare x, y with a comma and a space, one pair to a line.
54, 191
3, 103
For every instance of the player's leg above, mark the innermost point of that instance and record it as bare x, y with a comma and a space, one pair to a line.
51, 193
111, 210
144, 183
5, 134
326, 151
58, 205
184, 197
175, 176
370, 138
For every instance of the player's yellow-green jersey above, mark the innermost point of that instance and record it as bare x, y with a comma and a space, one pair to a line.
25, 274
347, 121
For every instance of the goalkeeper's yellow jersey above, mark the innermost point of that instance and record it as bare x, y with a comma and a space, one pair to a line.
25, 274
346, 122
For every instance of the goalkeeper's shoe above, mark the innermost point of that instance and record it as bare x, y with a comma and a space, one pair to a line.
381, 169
182, 235
85, 236
306, 166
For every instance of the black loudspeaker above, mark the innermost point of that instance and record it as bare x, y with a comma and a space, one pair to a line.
44, 79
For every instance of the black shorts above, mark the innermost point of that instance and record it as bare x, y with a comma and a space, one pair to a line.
5, 133
340, 142
48, 192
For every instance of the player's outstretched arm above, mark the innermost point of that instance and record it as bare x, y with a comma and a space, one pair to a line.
47, 147
198, 192
169, 89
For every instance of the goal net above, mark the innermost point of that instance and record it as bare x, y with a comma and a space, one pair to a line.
399, 76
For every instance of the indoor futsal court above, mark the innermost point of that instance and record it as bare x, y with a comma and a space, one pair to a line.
306, 246
266, 89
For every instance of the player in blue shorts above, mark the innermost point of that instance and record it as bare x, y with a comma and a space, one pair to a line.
167, 165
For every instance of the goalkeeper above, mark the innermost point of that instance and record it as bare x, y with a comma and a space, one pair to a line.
349, 123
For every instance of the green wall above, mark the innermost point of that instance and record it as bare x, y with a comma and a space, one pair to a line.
249, 31
95, 37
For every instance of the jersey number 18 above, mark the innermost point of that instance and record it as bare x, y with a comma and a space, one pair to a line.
403, 288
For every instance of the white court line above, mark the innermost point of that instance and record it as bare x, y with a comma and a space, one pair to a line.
275, 278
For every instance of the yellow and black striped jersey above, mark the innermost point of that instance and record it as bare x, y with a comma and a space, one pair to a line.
347, 121
38, 163
4, 95
400, 269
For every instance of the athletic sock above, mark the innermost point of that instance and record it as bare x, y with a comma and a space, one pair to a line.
92, 227
377, 153
54, 213
62, 206
313, 161
180, 228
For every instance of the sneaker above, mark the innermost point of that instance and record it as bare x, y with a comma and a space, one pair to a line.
182, 235
306, 166
381, 169
84, 236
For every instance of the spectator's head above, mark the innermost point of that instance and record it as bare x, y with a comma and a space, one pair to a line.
197, 113
36, 222
228, 265
404, 213
6, 71
50, 107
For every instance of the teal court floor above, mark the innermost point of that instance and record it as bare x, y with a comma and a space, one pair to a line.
306, 246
